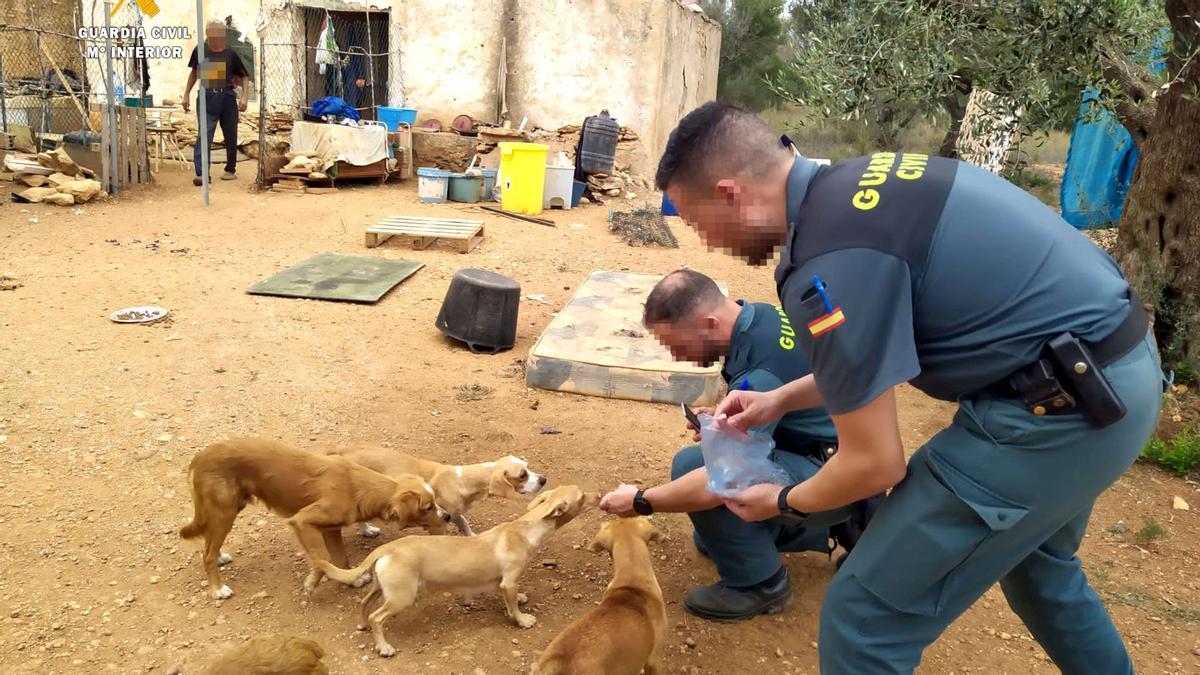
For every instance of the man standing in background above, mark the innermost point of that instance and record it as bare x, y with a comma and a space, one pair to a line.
218, 71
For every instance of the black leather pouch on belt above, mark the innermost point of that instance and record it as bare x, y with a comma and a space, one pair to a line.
1095, 396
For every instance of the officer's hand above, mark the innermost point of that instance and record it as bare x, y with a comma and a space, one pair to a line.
748, 409
187, 105
241, 104
619, 502
759, 502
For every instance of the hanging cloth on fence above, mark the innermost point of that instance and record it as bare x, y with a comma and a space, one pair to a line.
327, 47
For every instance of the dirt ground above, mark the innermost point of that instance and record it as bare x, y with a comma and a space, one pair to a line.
98, 421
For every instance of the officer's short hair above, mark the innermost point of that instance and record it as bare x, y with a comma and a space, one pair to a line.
717, 138
680, 295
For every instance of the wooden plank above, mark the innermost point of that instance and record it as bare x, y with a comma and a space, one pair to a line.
424, 232
418, 219
319, 190
448, 228
63, 79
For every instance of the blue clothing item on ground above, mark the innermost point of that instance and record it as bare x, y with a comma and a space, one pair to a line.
748, 553
764, 355
999, 495
332, 105
1100, 164
220, 108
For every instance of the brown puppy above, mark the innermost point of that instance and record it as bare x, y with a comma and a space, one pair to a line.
466, 565
624, 634
317, 494
271, 655
456, 488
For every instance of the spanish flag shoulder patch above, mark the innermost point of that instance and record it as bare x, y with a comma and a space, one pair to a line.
827, 322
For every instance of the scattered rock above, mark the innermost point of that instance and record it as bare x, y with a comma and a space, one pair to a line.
57, 644
30, 180
548, 431
1006, 636
154, 579
556, 585
221, 619
577, 596
690, 642
260, 595
1178, 504
550, 562
173, 670
81, 190
145, 650
165, 438
140, 414
36, 195
779, 652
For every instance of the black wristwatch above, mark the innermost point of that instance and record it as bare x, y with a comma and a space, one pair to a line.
784, 508
641, 505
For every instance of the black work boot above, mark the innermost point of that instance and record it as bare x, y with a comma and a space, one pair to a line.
718, 602
848, 533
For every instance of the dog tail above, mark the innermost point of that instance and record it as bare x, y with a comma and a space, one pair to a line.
197, 526
350, 576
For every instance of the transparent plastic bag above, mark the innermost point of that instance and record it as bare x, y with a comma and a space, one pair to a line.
736, 460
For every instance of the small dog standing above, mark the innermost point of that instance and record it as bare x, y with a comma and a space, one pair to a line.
317, 494
624, 634
271, 654
466, 565
456, 488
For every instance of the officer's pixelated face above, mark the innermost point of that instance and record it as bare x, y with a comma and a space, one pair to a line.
729, 217
694, 340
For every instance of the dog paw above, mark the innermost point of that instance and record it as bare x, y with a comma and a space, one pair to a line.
526, 620
385, 651
224, 558
310, 582
369, 530
223, 593
362, 581
522, 598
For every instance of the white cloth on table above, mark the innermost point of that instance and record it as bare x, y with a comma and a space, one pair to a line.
334, 142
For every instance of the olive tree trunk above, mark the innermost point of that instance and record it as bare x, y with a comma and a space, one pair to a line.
1159, 235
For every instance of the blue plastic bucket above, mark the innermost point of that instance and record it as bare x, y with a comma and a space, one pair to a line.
489, 183
394, 117
668, 209
577, 188
432, 185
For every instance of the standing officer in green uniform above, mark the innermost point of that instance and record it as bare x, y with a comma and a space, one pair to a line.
688, 313
906, 268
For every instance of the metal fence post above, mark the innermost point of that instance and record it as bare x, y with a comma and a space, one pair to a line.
113, 181
201, 103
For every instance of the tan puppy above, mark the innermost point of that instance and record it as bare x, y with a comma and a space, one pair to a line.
466, 565
624, 634
317, 494
456, 488
268, 654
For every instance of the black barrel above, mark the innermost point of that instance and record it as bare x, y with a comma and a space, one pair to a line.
480, 309
598, 142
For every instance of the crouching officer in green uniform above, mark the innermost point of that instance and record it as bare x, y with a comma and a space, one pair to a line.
688, 313
905, 268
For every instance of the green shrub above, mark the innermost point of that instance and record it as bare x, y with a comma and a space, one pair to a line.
1180, 454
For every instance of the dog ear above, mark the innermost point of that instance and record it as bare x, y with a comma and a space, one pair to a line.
498, 485
560, 507
537, 501
656, 536
403, 506
603, 540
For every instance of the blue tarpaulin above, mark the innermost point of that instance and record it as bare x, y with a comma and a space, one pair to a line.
332, 105
1101, 160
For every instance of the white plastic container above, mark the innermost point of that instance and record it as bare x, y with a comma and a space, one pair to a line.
557, 193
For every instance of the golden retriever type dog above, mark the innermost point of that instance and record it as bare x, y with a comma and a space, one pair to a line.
466, 565
271, 655
317, 494
624, 634
456, 488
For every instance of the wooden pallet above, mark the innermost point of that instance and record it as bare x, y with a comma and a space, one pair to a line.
422, 232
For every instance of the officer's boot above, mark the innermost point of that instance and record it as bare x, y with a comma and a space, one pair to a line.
718, 602
848, 533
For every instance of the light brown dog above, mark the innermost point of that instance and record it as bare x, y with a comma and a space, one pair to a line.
624, 634
271, 655
465, 565
317, 494
456, 488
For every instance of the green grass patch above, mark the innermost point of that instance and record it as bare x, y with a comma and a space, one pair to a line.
1180, 454
1150, 531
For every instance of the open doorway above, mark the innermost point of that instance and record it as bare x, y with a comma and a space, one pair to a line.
360, 74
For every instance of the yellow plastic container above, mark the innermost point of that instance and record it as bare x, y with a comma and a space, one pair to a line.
523, 172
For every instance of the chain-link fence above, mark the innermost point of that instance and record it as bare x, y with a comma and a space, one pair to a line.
309, 53
54, 79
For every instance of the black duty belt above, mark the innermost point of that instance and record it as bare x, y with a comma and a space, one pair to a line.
1068, 377
802, 444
